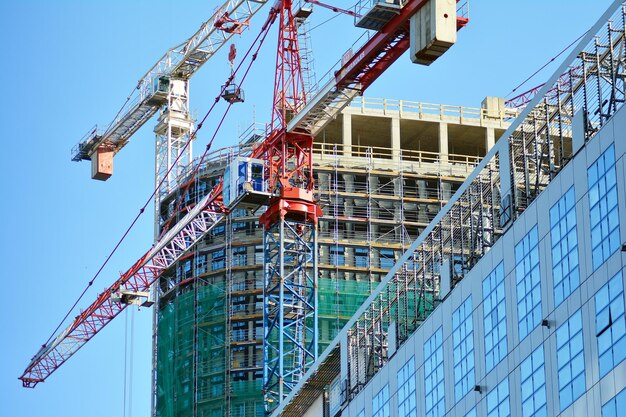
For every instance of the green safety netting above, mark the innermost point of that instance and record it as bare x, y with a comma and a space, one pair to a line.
203, 309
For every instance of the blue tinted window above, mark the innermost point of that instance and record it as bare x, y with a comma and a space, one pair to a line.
387, 258
380, 403
407, 401
471, 413
570, 360
361, 257
612, 407
564, 246
433, 375
610, 324
463, 349
603, 211
494, 311
498, 400
217, 259
240, 256
528, 283
533, 378
337, 255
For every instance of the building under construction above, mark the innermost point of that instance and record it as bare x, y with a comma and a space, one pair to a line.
383, 170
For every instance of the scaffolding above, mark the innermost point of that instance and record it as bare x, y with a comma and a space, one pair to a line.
376, 200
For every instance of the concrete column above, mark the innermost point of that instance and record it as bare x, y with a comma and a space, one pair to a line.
490, 138
395, 138
443, 143
347, 134
344, 357
506, 193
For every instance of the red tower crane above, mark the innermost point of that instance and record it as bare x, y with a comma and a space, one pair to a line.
290, 221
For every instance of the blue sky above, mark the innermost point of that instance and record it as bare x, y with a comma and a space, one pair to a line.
70, 64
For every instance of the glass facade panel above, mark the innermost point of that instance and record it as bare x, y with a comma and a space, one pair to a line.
433, 375
471, 413
494, 312
533, 378
217, 259
361, 258
463, 350
337, 255
612, 407
498, 400
564, 246
570, 360
407, 401
387, 258
603, 211
380, 403
610, 324
528, 283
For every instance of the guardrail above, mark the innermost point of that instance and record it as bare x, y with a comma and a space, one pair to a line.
443, 111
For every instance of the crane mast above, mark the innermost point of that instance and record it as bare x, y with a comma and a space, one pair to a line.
289, 221
290, 229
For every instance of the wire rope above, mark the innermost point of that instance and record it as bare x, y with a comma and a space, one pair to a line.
546, 64
261, 36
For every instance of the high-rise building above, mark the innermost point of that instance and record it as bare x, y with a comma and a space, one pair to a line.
383, 170
528, 304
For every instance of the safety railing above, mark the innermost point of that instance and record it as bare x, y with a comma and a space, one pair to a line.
378, 152
441, 111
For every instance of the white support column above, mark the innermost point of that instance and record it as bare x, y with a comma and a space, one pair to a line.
347, 134
443, 143
395, 138
173, 131
490, 138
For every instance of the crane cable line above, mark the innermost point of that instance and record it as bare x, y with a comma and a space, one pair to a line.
128, 362
338, 13
547, 63
262, 35
208, 146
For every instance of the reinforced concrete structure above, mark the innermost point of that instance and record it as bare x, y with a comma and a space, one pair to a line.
511, 301
383, 170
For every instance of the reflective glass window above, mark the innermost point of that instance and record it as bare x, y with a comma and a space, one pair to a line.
564, 246
528, 283
498, 400
603, 211
570, 360
463, 349
533, 387
433, 375
610, 324
494, 313
612, 407
380, 403
407, 400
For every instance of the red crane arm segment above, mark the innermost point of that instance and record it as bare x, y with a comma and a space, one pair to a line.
382, 50
136, 280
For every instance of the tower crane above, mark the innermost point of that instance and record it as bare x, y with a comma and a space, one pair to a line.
165, 88
286, 189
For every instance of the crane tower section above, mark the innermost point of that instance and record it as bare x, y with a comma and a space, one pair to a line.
290, 224
152, 92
